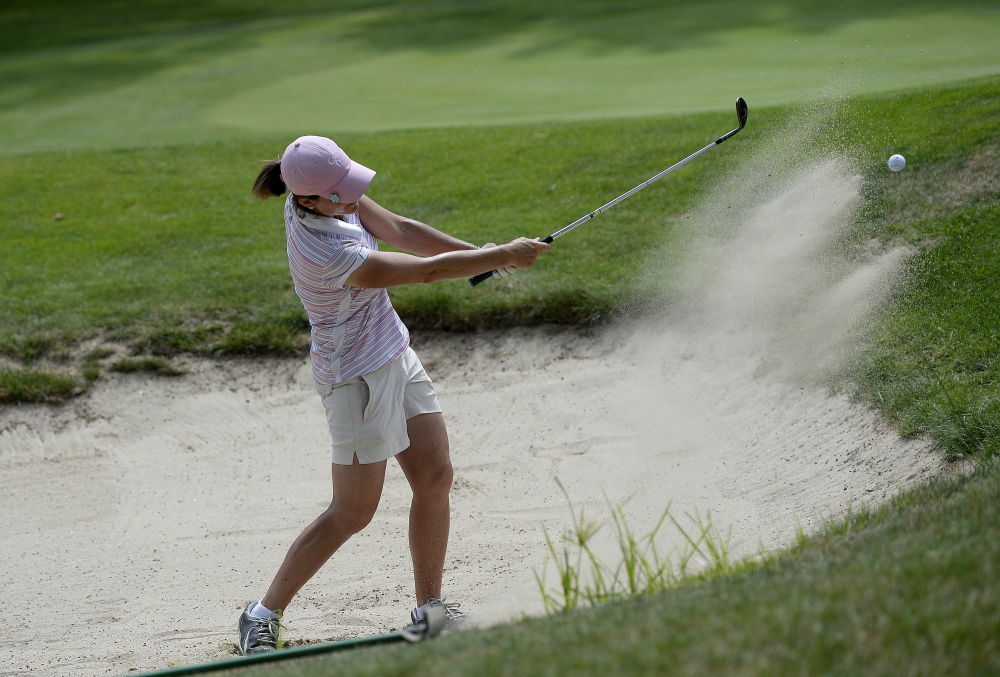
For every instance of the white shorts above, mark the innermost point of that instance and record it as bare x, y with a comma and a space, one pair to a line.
368, 414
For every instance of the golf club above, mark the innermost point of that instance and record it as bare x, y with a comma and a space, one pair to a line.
431, 626
741, 115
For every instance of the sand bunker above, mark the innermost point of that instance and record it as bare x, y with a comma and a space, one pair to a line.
138, 520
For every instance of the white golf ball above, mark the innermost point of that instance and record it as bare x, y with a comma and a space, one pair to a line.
897, 162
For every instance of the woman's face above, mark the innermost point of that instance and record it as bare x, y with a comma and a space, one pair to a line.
327, 207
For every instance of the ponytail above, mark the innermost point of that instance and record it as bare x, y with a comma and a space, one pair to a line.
269, 182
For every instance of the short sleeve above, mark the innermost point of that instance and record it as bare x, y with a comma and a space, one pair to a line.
350, 255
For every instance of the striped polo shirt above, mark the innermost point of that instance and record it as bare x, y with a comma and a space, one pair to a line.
355, 330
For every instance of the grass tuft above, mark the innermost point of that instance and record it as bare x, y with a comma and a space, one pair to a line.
967, 428
90, 370
282, 336
27, 348
34, 385
585, 579
168, 341
155, 365
91, 367
98, 354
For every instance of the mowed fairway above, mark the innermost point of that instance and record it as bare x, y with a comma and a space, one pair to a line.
129, 136
398, 65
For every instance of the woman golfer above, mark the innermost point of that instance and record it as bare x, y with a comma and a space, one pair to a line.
379, 400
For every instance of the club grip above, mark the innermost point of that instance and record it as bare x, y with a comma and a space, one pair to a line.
477, 280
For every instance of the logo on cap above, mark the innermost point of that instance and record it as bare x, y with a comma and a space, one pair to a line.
334, 197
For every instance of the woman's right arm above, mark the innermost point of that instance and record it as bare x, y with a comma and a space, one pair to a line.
390, 269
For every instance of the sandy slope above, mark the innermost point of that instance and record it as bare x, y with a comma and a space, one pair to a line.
136, 521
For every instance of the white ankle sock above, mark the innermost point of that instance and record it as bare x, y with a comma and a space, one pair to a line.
260, 611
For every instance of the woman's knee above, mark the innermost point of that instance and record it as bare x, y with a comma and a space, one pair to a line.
448, 476
350, 518
361, 520
436, 482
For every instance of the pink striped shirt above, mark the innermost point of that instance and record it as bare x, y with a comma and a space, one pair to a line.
355, 330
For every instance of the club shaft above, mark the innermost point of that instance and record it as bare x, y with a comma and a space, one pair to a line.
562, 231
741, 115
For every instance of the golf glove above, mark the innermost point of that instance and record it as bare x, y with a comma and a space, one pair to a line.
500, 272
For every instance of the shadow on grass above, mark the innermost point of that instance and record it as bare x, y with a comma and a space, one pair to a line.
389, 25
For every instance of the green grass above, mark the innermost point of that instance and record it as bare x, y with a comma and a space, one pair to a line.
35, 385
179, 253
153, 365
931, 364
134, 75
934, 363
165, 248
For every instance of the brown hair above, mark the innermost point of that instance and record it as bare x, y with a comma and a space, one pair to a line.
269, 183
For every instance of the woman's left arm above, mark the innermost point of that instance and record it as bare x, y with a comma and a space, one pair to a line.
406, 234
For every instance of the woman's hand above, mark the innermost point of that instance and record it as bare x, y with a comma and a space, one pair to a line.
524, 251
524, 256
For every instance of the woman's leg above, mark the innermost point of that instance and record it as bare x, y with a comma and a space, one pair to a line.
356, 492
427, 466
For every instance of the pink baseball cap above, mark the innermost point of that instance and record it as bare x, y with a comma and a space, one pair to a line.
315, 165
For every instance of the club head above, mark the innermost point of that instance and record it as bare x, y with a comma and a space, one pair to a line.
435, 617
741, 111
